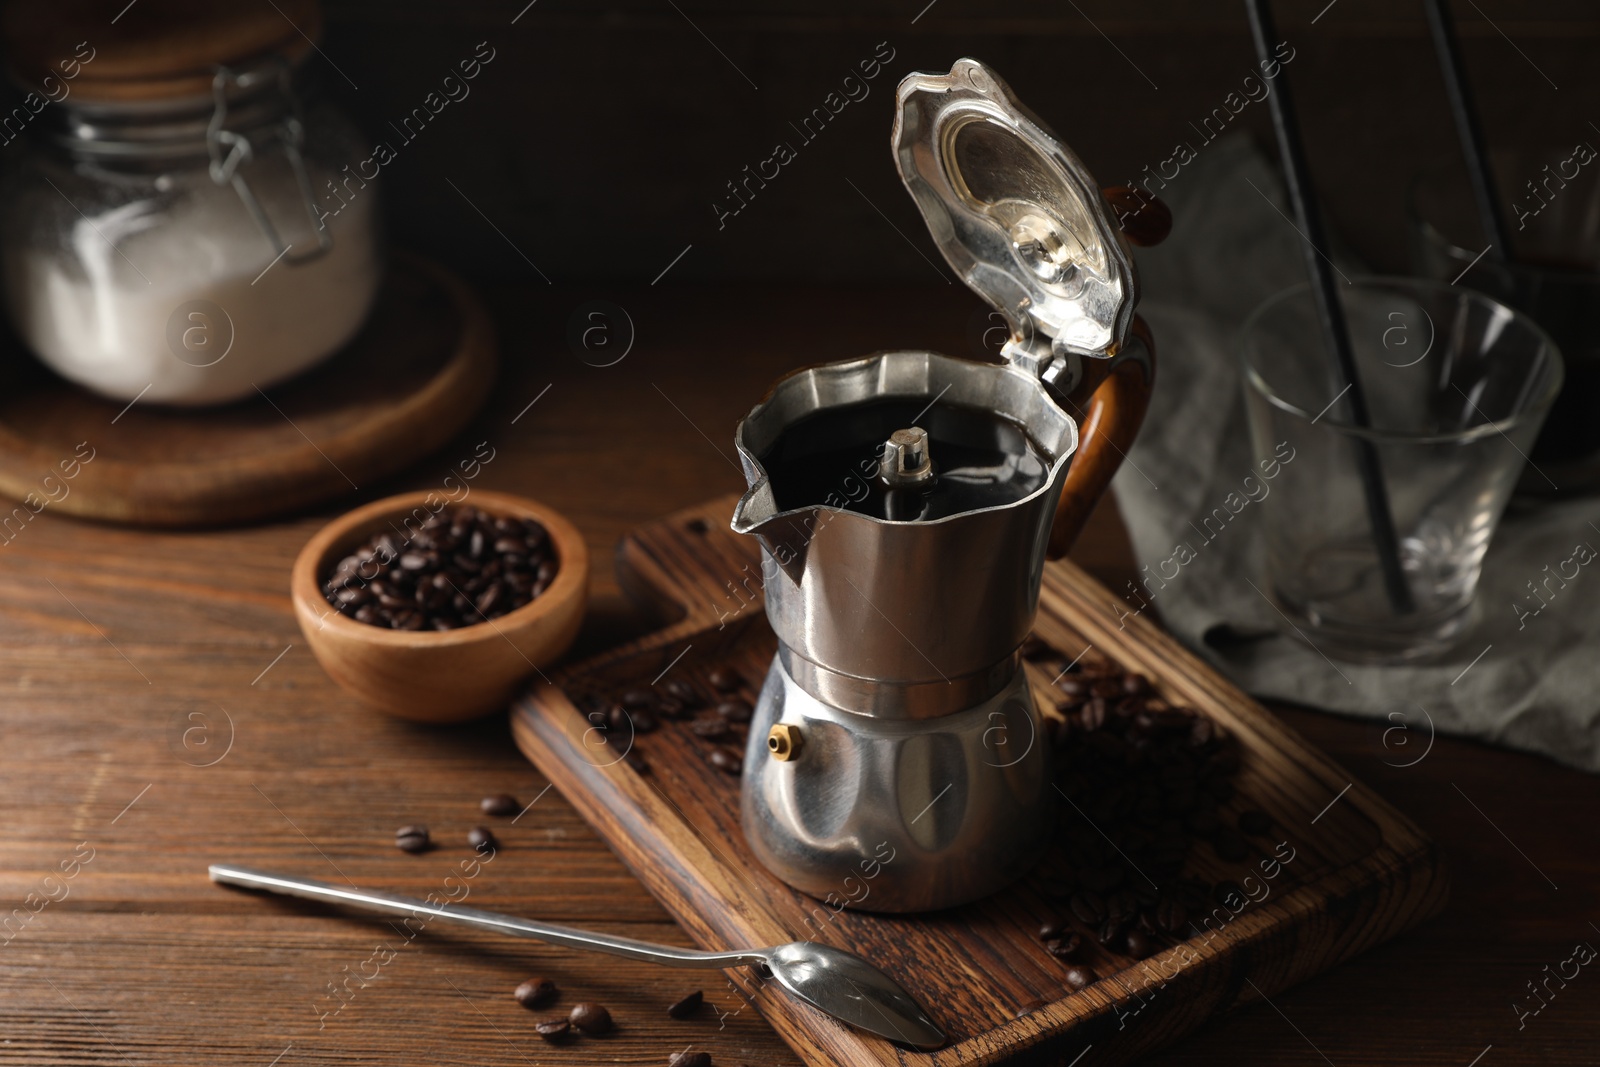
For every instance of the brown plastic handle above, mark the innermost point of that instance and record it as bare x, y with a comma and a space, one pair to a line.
1109, 405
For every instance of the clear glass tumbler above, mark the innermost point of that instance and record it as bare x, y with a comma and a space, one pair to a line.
1457, 386
1551, 202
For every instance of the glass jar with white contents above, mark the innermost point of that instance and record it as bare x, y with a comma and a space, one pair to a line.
185, 224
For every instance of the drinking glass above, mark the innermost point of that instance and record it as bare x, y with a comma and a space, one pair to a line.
1457, 386
1551, 203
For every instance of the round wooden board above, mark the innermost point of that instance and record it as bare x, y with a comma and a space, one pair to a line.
411, 379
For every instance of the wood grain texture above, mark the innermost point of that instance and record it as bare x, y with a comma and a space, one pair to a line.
167, 968
409, 382
1359, 871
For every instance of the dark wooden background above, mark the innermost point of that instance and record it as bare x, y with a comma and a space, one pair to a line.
593, 146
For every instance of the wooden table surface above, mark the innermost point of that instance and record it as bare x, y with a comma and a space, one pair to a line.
159, 711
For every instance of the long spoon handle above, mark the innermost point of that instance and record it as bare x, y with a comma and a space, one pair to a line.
551, 933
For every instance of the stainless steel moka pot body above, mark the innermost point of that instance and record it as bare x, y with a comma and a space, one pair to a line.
897, 761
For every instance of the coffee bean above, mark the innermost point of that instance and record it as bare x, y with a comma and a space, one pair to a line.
1088, 908
1255, 823
735, 711
1073, 686
1139, 944
1079, 977
1034, 648
536, 992
1052, 930
499, 804
1065, 947
670, 708
1110, 932
687, 1006
553, 1029
709, 727
682, 691
1135, 685
726, 760
411, 839
638, 698
590, 1018
725, 679
456, 572
689, 1059
481, 839
644, 722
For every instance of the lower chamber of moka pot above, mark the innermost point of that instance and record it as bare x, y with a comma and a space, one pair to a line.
896, 814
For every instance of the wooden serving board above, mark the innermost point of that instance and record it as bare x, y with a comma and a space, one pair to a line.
407, 383
1340, 872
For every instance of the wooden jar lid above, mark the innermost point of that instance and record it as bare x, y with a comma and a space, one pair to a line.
155, 50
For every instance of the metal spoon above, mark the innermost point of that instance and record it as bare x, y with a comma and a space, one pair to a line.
838, 983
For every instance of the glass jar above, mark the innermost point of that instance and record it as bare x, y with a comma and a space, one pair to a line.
190, 250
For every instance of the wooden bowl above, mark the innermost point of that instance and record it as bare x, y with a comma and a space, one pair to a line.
439, 676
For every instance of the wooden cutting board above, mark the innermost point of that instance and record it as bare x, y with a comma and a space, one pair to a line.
407, 383
1353, 871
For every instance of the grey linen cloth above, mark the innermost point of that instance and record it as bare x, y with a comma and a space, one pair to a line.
1536, 688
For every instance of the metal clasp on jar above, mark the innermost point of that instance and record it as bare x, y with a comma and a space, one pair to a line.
229, 150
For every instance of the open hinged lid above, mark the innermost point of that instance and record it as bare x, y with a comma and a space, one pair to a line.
1015, 213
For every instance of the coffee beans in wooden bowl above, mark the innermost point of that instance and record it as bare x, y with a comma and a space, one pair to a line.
459, 567
436, 611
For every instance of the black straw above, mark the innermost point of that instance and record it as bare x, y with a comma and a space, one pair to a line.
1329, 311
1459, 90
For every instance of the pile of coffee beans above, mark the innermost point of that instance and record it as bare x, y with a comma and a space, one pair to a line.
462, 566
1145, 783
721, 720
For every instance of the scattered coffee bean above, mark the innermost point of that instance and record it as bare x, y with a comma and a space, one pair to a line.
459, 567
683, 692
411, 839
1051, 930
590, 1018
1065, 947
671, 708
735, 710
710, 727
638, 698
1079, 977
689, 1059
644, 722
553, 1029
687, 1006
481, 839
499, 804
1139, 944
1255, 823
726, 760
1088, 908
536, 992
725, 679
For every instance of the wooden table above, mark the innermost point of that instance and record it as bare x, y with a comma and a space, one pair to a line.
129, 660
